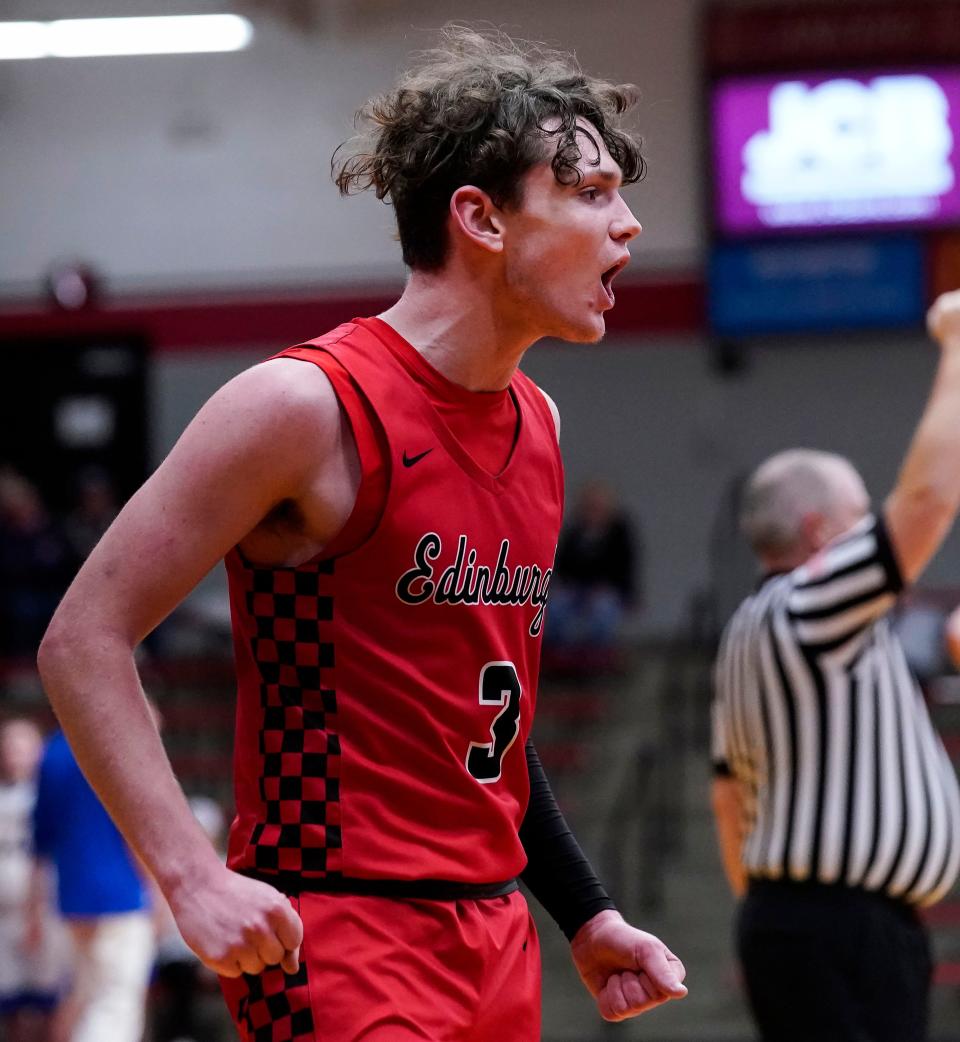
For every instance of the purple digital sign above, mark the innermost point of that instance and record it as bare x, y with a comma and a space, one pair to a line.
804, 152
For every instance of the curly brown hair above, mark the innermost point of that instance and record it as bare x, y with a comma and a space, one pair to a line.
476, 110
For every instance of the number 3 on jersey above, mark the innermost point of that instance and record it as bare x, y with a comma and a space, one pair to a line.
499, 686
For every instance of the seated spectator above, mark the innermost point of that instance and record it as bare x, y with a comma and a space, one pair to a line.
593, 585
93, 511
31, 962
34, 565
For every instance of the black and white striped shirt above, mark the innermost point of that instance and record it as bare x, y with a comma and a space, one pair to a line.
817, 713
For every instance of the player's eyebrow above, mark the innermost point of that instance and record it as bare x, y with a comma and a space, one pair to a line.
608, 175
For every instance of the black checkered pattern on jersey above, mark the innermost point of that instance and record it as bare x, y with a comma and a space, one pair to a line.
300, 778
276, 1007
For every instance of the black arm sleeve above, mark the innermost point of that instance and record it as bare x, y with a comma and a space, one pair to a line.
558, 873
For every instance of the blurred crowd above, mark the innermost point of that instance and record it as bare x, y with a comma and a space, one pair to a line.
595, 596
88, 948
595, 593
40, 551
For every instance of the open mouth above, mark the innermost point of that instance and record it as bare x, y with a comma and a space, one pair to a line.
606, 279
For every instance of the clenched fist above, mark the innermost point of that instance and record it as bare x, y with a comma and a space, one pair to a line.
237, 925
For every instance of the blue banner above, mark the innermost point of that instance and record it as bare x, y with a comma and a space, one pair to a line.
818, 284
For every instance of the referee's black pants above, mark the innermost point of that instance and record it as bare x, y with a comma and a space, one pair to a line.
833, 964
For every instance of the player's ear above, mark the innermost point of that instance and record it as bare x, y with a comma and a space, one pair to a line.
477, 218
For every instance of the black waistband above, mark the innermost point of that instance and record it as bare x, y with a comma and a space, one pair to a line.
827, 892
292, 884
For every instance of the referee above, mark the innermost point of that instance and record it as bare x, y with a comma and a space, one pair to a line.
838, 811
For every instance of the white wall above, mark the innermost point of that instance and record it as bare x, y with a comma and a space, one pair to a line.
176, 171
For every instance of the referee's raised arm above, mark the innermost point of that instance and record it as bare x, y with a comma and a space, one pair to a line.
924, 502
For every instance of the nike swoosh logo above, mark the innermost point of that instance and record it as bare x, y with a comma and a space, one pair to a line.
408, 461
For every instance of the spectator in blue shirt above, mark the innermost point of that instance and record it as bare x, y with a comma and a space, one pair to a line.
103, 898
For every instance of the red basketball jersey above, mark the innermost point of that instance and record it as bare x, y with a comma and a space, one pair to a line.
385, 696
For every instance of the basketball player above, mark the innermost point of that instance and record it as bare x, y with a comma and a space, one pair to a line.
388, 499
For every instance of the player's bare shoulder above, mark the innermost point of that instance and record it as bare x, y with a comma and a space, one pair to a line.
286, 399
305, 436
276, 421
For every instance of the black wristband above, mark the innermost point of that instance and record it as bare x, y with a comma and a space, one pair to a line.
558, 873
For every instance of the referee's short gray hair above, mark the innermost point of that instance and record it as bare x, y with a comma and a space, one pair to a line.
782, 490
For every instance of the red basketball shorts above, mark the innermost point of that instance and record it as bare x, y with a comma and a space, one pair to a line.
377, 969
